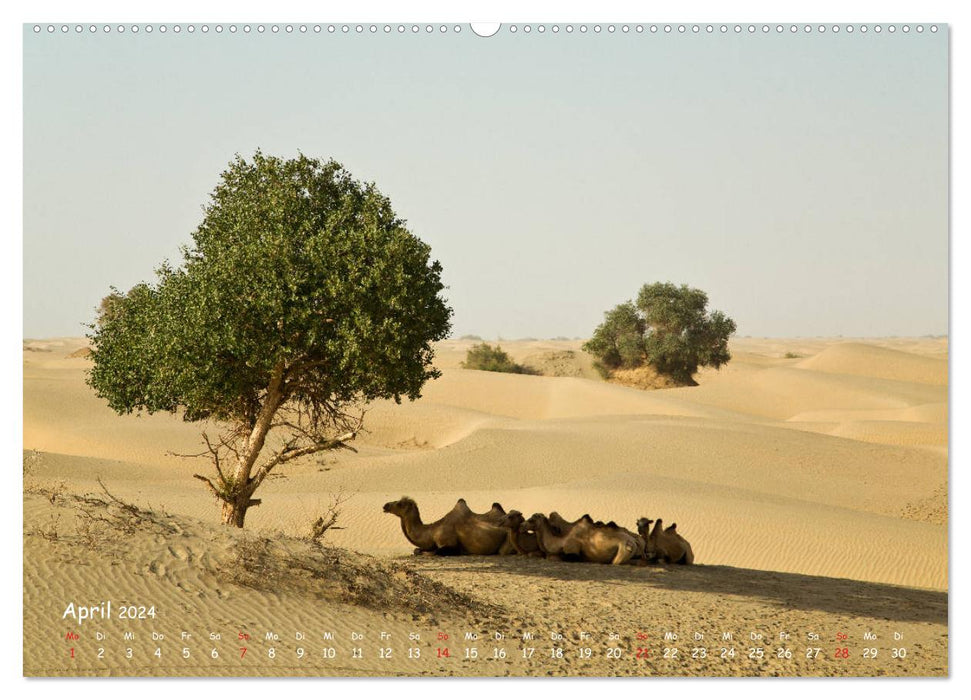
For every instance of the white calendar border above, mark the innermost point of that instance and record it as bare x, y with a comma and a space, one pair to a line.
942, 11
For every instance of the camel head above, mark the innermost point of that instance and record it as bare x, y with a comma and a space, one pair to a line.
644, 526
513, 520
558, 522
534, 520
400, 507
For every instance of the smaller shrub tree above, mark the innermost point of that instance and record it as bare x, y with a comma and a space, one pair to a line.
618, 342
669, 328
484, 357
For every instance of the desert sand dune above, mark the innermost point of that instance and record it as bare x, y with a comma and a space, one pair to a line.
873, 361
204, 577
831, 464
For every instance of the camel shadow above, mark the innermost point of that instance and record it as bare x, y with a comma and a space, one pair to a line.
780, 589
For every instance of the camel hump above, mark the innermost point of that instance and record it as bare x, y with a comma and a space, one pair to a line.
498, 506
672, 527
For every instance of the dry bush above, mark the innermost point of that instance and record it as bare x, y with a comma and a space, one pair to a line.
279, 564
100, 518
328, 520
50, 531
51, 490
113, 515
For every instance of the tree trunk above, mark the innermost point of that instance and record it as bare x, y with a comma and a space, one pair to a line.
234, 512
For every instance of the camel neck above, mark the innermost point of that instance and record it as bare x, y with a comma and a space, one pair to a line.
414, 529
545, 534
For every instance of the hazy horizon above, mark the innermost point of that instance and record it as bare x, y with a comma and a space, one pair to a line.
800, 180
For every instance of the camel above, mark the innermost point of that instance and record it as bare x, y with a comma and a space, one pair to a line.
640, 543
663, 544
605, 543
494, 515
519, 538
585, 539
549, 539
460, 531
562, 526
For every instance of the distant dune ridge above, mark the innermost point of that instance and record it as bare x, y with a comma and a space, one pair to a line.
831, 462
875, 361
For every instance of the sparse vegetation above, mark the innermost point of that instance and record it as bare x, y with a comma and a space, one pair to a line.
328, 520
279, 563
669, 329
484, 357
50, 490
49, 531
791, 355
97, 518
471, 337
107, 526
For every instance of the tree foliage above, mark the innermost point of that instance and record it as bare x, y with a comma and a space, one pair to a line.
668, 328
484, 357
302, 296
618, 342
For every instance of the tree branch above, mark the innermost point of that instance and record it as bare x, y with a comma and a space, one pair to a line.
215, 458
218, 494
291, 454
183, 455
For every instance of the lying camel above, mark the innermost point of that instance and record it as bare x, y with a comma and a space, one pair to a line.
585, 539
604, 543
561, 525
665, 545
474, 538
519, 538
494, 515
460, 531
640, 543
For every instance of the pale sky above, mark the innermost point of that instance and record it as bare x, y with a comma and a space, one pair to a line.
801, 180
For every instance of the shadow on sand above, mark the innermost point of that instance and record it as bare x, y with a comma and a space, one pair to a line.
783, 590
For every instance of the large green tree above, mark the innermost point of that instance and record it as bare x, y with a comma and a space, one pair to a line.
669, 328
302, 297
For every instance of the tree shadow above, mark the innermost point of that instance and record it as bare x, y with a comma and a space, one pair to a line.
780, 589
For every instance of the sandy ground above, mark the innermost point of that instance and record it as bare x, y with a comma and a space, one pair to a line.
810, 476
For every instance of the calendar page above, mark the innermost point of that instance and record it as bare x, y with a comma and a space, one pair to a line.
546, 349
